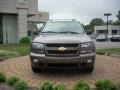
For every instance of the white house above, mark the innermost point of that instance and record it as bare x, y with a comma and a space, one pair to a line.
14, 18
112, 30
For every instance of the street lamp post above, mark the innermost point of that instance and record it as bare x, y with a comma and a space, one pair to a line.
107, 15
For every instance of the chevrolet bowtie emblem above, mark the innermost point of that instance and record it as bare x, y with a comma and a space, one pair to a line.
61, 49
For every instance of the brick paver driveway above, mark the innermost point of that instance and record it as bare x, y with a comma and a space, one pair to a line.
105, 68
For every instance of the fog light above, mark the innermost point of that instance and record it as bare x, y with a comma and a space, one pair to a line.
35, 60
89, 60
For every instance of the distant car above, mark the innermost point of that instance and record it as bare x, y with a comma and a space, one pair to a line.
109, 37
101, 38
115, 38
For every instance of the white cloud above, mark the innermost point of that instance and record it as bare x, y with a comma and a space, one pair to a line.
83, 10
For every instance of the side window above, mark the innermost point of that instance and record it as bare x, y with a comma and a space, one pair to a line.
114, 32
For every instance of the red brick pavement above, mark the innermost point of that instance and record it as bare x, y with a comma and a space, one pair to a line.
105, 68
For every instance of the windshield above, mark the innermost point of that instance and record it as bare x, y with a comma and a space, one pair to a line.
63, 27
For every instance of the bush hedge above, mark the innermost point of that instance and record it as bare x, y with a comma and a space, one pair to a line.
101, 52
105, 85
20, 85
81, 85
2, 77
25, 40
60, 87
46, 86
12, 80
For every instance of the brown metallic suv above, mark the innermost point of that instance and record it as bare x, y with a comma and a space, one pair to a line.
62, 44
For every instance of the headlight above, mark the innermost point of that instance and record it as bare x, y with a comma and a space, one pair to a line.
87, 48
85, 45
37, 48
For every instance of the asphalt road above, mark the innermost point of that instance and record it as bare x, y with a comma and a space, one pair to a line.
107, 44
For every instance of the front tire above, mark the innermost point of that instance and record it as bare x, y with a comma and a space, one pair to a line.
35, 70
89, 69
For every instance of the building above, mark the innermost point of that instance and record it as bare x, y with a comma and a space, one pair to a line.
112, 30
15, 15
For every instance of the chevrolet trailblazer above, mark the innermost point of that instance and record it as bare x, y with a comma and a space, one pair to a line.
62, 44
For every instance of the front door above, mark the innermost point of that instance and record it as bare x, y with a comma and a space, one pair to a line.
9, 28
1, 30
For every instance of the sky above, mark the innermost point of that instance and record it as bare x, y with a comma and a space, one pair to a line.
81, 10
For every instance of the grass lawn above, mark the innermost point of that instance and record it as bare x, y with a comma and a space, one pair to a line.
13, 50
111, 51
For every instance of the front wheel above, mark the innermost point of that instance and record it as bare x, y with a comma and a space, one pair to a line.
35, 70
89, 69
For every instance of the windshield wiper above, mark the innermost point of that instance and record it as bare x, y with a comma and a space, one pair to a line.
49, 32
61, 32
70, 32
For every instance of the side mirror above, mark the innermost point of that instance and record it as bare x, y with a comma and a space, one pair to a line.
88, 32
35, 32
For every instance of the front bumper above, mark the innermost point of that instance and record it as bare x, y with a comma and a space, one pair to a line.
43, 61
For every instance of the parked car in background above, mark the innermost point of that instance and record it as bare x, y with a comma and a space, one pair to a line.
101, 38
115, 38
62, 44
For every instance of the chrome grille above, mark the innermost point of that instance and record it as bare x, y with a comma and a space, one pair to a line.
70, 49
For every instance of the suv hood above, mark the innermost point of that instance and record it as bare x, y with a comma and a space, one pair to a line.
62, 38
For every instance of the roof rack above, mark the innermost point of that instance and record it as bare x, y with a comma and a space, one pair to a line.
62, 20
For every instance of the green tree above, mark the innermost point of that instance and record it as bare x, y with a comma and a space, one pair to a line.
118, 16
94, 22
110, 22
115, 23
87, 27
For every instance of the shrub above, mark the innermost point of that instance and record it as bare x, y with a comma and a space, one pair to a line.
25, 40
2, 77
105, 85
108, 54
20, 85
100, 52
81, 85
46, 86
60, 87
12, 80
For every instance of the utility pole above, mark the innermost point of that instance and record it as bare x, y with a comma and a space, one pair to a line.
107, 15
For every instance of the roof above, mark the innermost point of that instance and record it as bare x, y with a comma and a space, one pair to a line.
104, 27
